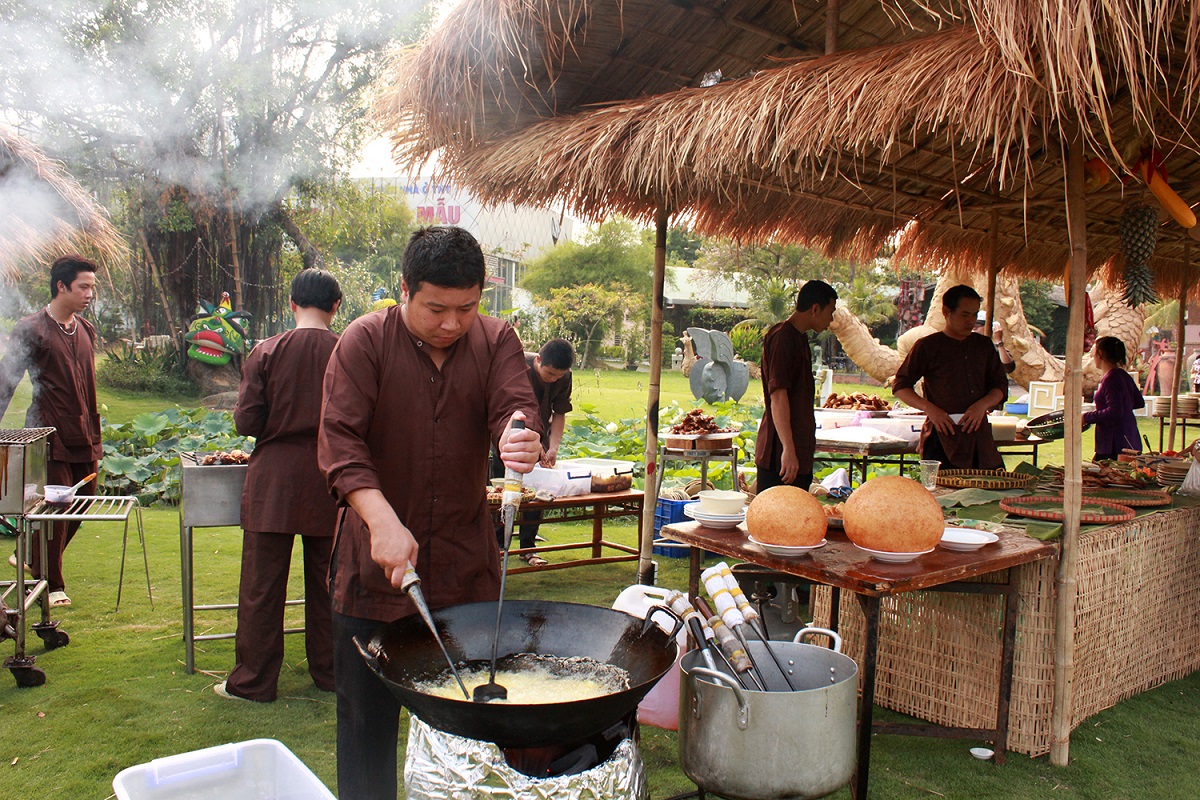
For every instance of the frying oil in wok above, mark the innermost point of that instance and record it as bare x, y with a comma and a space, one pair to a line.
534, 679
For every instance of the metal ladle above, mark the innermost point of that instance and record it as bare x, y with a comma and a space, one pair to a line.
486, 692
411, 585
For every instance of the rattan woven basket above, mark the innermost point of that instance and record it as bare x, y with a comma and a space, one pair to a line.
1089, 514
1049, 426
995, 479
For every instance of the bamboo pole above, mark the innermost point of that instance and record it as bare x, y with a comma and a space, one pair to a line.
832, 15
650, 492
1064, 607
1180, 333
993, 271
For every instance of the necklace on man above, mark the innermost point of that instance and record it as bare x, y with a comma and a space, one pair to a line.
68, 331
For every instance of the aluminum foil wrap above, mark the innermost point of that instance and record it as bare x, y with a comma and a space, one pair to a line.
438, 765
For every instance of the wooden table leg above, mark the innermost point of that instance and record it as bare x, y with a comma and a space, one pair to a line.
598, 512
870, 608
1007, 659
696, 554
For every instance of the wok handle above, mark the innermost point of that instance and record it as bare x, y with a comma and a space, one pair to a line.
743, 719
813, 630
648, 621
367, 655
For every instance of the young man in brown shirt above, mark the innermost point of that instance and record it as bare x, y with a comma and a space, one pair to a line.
56, 347
787, 435
279, 403
416, 395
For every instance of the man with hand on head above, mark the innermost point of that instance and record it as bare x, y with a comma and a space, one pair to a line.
964, 377
56, 347
279, 403
415, 397
787, 435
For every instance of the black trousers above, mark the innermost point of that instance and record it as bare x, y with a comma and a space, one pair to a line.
368, 718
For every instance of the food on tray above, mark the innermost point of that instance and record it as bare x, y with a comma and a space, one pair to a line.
697, 423
223, 457
1109, 474
496, 495
786, 515
833, 511
893, 514
857, 401
611, 483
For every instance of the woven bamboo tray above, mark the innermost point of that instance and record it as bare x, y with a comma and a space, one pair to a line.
1134, 498
984, 479
1094, 511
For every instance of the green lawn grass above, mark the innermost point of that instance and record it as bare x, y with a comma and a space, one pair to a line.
118, 694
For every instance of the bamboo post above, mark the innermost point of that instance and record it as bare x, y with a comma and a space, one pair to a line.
1181, 332
832, 14
1064, 607
993, 271
650, 492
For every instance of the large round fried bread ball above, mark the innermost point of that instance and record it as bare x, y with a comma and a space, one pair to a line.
786, 515
893, 514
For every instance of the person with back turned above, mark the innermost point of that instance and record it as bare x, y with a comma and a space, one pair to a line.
279, 403
57, 348
964, 377
787, 435
416, 395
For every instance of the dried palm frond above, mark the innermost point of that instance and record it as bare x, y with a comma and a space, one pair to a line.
44, 212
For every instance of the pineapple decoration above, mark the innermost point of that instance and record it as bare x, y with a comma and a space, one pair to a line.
1139, 234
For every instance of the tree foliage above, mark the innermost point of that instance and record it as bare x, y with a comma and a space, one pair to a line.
585, 313
615, 256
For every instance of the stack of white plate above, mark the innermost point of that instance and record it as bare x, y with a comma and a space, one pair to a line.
1188, 405
693, 511
1172, 473
1162, 406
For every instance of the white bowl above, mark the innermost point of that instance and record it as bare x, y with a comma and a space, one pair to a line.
982, 753
964, 540
59, 495
721, 501
710, 520
786, 550
892, 558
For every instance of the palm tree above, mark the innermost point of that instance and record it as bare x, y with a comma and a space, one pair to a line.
864, 300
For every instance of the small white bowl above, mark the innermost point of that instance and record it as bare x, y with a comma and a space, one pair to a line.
721, 501
982, 753
59, 495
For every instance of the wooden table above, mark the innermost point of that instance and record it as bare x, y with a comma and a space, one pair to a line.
863, 454
1027, 446
595, 506
841, 565
1165, 419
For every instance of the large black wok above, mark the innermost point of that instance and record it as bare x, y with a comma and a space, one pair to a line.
404, 653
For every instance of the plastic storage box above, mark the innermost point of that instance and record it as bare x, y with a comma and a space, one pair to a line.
668, 512
260, 769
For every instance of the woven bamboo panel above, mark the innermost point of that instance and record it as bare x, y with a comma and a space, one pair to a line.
1137, 627
995, 479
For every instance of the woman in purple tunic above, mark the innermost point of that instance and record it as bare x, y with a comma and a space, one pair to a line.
1116, 398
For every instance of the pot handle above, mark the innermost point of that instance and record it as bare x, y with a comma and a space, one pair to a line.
814, 630
367, 655
743, 717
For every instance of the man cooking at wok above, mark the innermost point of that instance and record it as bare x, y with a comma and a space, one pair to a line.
415, 396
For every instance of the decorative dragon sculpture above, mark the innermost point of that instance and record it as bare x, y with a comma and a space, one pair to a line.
1033, 361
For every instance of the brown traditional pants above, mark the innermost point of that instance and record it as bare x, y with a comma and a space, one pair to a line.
258, 646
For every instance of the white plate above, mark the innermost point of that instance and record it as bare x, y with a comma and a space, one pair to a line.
785, 550
965, 540
893, 558
709, 521
694, 511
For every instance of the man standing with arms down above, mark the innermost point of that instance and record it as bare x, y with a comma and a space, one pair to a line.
279, 403
787, 435
415, 397
57, 347
964, 377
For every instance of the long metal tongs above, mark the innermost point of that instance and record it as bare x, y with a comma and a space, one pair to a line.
510, 503
411, 585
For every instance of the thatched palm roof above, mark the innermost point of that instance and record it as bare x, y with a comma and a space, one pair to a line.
44, 212
930, 118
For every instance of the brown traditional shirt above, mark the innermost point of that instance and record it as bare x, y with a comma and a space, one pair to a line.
787, 364
62, 369
957, 373
552, 398
393, 421
279, 403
